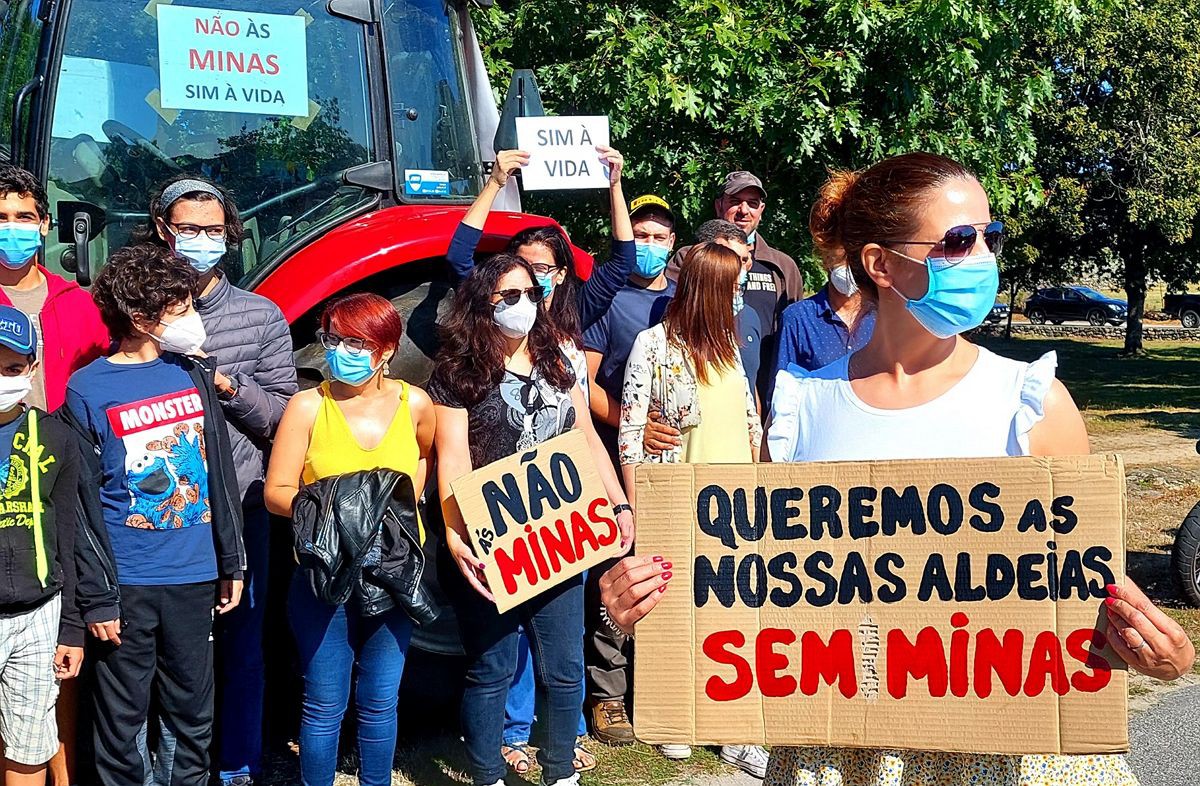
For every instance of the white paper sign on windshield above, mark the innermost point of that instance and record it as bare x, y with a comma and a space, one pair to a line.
231, 61
562, 152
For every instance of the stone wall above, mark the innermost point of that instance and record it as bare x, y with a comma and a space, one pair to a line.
1149, 333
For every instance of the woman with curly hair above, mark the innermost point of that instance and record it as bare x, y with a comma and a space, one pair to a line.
502, 385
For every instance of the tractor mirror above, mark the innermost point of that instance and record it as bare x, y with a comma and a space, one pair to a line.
523, 100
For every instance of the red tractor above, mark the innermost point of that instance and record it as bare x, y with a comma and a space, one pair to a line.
352, 134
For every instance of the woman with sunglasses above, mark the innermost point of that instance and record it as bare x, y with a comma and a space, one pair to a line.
359, 420
571, 302
502, 385
917, 233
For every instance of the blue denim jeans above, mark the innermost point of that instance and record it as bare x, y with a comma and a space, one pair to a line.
553, 621
240, 669
519, 710
335, 642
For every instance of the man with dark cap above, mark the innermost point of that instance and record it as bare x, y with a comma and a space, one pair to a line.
774, 282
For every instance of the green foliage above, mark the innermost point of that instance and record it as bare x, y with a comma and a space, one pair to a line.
696, 88
1120, 150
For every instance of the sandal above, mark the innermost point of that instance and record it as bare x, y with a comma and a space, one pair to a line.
585, 760
517, 758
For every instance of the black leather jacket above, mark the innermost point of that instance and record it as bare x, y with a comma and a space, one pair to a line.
356, 536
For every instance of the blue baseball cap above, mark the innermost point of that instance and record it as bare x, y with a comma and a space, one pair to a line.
17, 331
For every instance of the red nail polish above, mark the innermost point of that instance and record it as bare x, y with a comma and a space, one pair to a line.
1112, 589
663, 588
666, 566
658, 559
1109, 601
667, 576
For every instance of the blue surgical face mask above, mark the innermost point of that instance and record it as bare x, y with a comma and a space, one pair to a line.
739, 297
546, 282
960, 293
651, 259
349, 368
19, 243
202, 251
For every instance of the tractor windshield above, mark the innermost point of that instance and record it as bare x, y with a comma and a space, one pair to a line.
274, 99
434, 145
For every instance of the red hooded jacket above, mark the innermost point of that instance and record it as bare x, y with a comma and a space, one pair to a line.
73, 334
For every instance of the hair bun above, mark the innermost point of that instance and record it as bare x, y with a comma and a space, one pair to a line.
825, 219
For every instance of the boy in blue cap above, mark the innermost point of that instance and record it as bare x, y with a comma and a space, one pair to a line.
41, 631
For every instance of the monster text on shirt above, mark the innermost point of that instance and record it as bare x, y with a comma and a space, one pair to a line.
165, 461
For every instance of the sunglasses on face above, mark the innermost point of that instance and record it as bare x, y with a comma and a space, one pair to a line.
513, 296
544, 270
355, 346
959, 241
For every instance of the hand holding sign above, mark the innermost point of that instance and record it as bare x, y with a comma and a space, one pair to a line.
1145, 637
508, 162
612, 160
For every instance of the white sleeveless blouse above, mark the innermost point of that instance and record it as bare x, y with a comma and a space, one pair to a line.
816, 416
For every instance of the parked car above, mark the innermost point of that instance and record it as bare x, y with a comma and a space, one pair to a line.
998, 314
1185, 308
1059, 304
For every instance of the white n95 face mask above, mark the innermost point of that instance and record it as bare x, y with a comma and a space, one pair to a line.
185, 335
13, 390
517, 320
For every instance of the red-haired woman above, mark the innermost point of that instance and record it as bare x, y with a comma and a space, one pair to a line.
502, 385
359, 420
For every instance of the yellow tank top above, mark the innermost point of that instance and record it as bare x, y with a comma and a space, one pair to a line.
333, 450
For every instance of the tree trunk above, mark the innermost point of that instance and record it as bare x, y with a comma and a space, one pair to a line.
1012, 306
1135, 291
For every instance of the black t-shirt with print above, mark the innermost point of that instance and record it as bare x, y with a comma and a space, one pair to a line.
519, 413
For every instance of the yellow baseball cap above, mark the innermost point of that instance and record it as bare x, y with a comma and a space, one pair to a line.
650, 202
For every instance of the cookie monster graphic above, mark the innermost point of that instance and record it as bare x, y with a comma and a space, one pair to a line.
165, 461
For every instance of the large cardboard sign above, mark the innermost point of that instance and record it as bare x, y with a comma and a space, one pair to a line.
232, 61
931, 605
538, 518
562, 152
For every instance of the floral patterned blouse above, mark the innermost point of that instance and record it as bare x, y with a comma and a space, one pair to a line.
659, 377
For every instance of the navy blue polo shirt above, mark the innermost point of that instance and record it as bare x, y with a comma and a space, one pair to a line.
812, 335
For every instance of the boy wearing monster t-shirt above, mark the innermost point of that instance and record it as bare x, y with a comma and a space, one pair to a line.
169, 537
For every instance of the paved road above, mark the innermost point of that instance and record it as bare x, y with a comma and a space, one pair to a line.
1165, 741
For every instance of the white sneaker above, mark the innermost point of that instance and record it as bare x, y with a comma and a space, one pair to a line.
676, 752
573, 780
750, 759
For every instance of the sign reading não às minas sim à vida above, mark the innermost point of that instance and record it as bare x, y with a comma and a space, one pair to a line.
930, 605
538, 518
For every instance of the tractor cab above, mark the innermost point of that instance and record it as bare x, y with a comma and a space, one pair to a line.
312, 112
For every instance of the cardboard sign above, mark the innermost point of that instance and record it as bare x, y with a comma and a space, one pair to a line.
232, 61
562, 152
930, 605
538, 518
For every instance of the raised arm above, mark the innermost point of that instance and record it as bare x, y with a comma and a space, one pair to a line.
607, 279
461, 254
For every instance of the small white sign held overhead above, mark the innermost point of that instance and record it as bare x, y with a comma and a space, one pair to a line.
562, 152
231, 61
